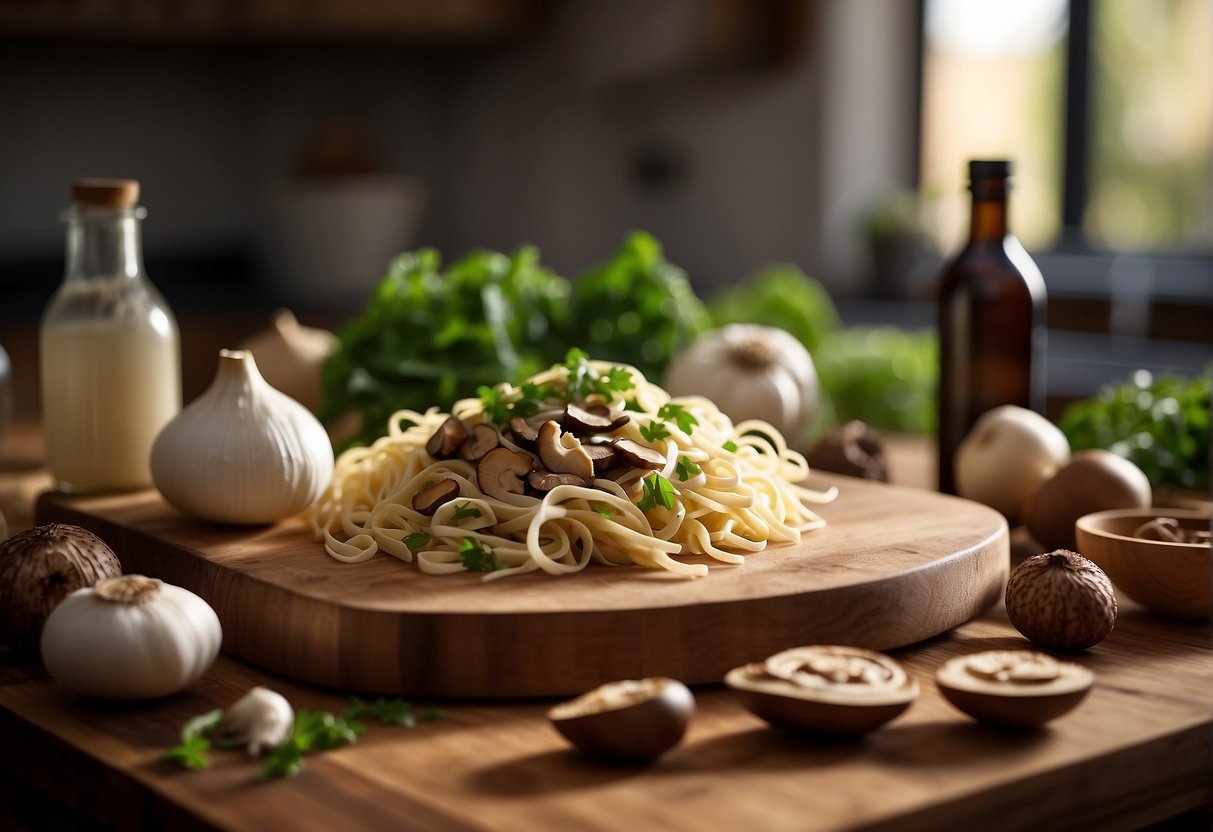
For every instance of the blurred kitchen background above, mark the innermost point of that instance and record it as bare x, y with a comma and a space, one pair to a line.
287, 148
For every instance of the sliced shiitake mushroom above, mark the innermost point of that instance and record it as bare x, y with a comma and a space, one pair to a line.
483, 439
585, 420
447, 440
541, 480
499, 472
562, 453
825, 689
427, 500
636, 720
1017, 688
602, 455
523, 432
637, 455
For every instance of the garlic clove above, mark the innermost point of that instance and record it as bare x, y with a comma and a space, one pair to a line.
291, 357
242, 452
261, 720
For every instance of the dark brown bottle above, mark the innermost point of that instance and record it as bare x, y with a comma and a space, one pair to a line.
991, 320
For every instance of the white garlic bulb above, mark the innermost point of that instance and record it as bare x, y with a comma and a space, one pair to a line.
291, 357
130, 637
261, 720
242, 452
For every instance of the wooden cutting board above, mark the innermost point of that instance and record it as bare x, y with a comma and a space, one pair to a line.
893, 566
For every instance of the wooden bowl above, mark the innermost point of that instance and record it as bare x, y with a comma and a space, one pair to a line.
1169, 578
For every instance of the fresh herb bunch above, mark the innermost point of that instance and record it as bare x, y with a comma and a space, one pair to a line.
429, 336
637, 308
1161, 426
312, 731
781, 296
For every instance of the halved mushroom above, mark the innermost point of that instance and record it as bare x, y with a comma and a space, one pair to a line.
541, 480
427, 500
447, 440
500, 472
636, 720
602, 455
484, 438
825, 689
637, 455
563, 453
1021, 688
523, 432
585, 420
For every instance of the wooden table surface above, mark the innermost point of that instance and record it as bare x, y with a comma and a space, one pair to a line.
1138, 751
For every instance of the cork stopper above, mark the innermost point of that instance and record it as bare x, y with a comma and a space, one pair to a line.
106, 193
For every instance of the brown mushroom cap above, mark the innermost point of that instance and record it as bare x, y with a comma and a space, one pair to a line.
484, 438
1020, 688
523, 432
427, 500
627, 720
447, 440
585, 420
637, 455
563, 453
499, 472
602, 455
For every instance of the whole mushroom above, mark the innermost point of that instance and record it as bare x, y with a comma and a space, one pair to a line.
1091, 481
1060, 599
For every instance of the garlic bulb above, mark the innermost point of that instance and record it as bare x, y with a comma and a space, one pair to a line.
751, 372
291, 356
242, 452
260, 720
130, 637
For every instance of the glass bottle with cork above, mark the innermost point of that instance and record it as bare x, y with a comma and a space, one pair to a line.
992, 332
110, 350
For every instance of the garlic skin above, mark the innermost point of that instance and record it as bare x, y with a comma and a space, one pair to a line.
261, 719
242, 452
751, 372
291, 357
130, 637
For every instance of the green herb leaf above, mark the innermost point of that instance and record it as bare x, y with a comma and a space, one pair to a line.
617, 380
416, 540
658, 491
605, 511
654, 431
477, 557
632, 405
190, 754
686, 468
389, 712
464, 510
201, 725
730, 446
678, 414
493, 403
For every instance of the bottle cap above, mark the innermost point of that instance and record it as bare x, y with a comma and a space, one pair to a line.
106, 193
990, 169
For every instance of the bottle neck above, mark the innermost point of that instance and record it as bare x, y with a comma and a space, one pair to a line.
103, 245
988, 221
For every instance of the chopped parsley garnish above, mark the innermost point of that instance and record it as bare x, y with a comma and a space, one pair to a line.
583, 382
417, 539
464, 510
390, 712
685, 468
654, 431
658, 491
730, 446
632, 405
191, 753
605, 511
477, 557
678, 414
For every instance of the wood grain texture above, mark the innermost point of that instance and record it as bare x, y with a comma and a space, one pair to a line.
1135, 752
893, 566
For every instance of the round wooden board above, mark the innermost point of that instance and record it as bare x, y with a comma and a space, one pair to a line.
892, 567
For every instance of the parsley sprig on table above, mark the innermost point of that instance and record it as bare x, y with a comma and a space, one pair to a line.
312, 732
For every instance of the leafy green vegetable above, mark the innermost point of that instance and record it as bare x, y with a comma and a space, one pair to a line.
191, 753
782, 296
883, 375
477, 557
389, 712
416, 540
654, 431
678, 414
430, 336
319, 731
636, 308
658, 491
686, 468
730, 446
1162, 426
463, 511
